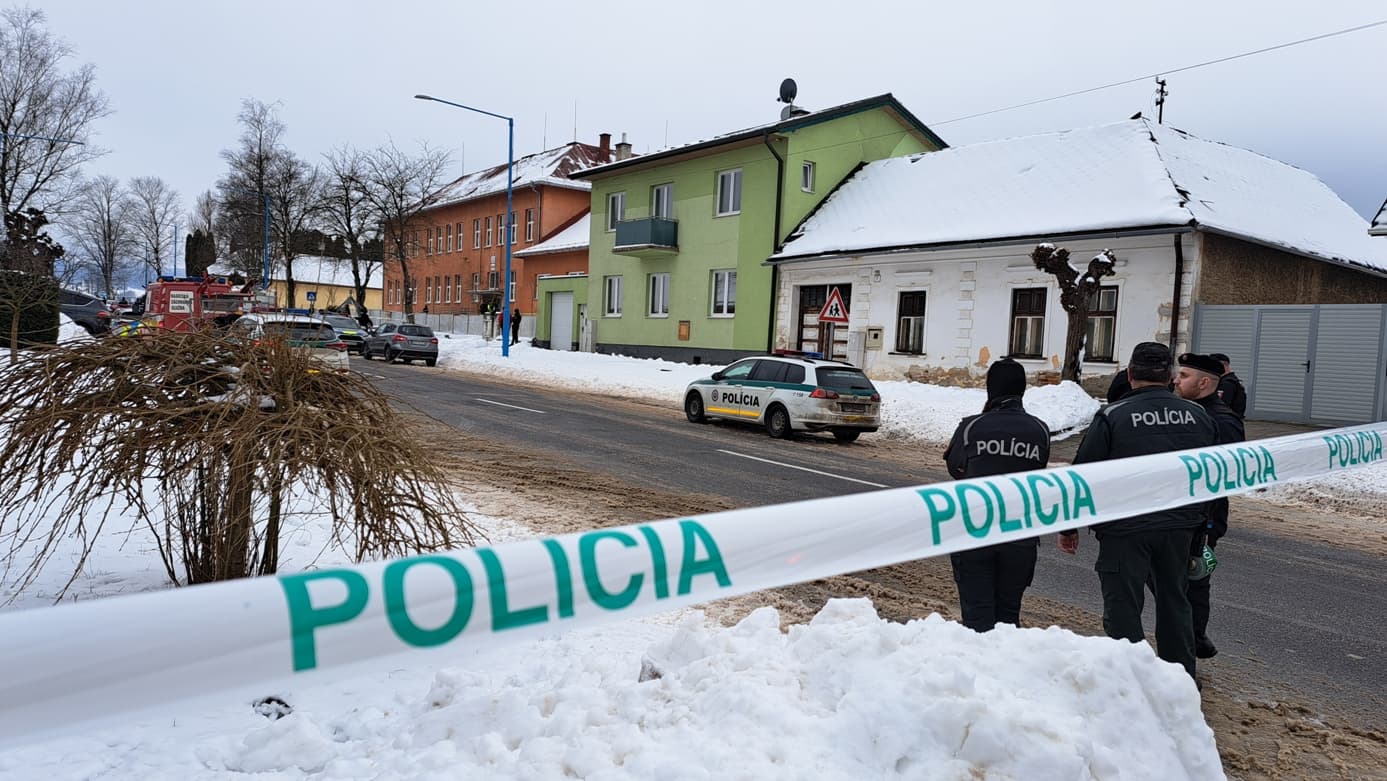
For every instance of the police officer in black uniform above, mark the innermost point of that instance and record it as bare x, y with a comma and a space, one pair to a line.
1004, 438
1199, 381
1153, 545
1230, 388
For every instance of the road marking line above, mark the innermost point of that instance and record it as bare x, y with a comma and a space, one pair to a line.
802, 469
512, 406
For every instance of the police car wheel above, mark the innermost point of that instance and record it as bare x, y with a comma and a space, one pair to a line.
778, 422
846, 435
693, 408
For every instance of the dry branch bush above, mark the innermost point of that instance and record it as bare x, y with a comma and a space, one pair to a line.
209, 441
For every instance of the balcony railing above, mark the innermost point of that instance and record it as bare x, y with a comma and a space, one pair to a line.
647, 238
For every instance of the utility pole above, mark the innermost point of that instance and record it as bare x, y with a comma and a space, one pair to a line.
1160, 100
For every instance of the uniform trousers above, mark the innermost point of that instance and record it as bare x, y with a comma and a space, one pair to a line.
1125, 563
991, 581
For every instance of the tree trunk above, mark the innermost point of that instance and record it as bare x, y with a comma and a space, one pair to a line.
1074, 344
236, 540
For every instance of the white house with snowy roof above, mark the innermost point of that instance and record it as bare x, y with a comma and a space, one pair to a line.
931, 252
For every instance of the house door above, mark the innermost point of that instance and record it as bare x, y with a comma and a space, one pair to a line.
827, 339
561, 321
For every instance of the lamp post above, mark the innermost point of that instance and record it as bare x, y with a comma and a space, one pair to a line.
510, 195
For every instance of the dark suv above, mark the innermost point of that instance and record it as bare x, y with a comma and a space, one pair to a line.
86, 310
403, 342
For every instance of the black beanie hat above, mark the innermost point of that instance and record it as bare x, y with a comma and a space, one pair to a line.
1204, 363
1005, 377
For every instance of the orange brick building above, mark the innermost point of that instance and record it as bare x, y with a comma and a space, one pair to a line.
458, 255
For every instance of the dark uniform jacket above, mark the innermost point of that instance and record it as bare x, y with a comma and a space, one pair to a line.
1230, 430
1148, 420
1232, 392
1119, 387
1004, 438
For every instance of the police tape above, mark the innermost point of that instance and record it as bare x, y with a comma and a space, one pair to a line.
97, 659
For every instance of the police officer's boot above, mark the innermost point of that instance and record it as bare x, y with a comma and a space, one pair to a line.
1204, 648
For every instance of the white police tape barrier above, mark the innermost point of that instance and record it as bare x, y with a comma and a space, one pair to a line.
92, 660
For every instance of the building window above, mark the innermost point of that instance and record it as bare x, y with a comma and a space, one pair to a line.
476, 280
438, 289
500, 229
477, 233
448, 289
659, 296
616, 210
806, 177
1028, 322
724, 293
450, 237
730, 192
1100, 340
511, 287
611, 301
414, 294
529, 225
512, 227
662, 201
488, 231
428, 248
493, 281
438, 240
458, 292
910, 323
428, 291
459, 244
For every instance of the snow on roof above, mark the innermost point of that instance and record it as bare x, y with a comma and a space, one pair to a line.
1379, 226
1122, 176
551, 167
316, 270
574, 237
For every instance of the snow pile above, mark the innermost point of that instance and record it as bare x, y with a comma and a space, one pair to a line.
69, 331
909, 409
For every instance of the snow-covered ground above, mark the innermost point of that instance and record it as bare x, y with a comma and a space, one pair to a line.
847, 696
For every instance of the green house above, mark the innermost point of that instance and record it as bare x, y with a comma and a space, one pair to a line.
679, 238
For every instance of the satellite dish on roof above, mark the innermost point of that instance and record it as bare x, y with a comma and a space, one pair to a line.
788, 91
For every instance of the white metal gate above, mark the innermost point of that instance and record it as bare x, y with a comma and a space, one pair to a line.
561, 321
1320, 363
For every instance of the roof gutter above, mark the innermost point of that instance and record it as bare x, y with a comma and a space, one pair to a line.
775, 239
905, 249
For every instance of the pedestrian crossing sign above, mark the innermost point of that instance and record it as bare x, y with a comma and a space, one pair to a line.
834, 311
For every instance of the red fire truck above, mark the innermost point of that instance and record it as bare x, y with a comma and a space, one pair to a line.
183, 303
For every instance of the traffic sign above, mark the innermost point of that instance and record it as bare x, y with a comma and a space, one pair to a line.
834, 311
312, 295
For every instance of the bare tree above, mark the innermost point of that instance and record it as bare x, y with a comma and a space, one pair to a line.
41, 101
103, 230
400, 187
154, 210
1076, 296
242, 191
348, 213
295, 189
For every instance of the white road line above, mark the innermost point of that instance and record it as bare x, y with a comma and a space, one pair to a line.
512, 406
802, 469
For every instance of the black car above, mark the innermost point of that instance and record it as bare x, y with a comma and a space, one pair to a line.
86, 310
403, 341
349, 331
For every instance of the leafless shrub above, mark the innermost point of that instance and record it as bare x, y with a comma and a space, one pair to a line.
206, 439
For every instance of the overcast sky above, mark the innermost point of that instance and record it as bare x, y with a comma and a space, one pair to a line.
344, 72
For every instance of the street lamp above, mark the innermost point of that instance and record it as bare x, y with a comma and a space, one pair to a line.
510, 194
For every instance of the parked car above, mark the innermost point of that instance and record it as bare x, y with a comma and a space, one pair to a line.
788, 393
85, 310
349, 330
403, 342
308, 333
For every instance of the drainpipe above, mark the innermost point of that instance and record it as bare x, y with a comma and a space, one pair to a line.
775, 240
1175, 295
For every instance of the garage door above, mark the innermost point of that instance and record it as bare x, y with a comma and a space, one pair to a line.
561, 320
1346, 363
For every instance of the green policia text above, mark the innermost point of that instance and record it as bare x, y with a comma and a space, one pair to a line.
1360, 447
1013, 503
699, 556
1229, 468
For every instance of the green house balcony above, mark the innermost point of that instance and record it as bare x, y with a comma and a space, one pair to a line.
653, 237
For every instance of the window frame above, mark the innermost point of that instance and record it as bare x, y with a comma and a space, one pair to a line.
615, 213
905, 332
611, 295
477, 233
662, 201
1042, 294
1095, 313
529, 225
510, 287
807, 170
488, 231
729, 308
733, 175
657, 294
449, 231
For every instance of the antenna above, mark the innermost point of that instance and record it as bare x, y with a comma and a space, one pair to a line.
544, 142
666, 134
1160, 100
575, 121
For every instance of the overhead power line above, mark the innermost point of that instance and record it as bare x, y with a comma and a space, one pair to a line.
1344, 31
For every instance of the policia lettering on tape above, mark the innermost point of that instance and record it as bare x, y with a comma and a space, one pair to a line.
1012, 503
699, 556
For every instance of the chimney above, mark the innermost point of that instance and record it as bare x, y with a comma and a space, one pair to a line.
604, 147
623, 150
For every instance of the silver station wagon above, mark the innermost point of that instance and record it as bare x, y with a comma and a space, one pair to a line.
787, 393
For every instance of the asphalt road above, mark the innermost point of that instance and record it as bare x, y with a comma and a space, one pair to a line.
1309, 615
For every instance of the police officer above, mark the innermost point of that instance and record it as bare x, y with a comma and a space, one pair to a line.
1230, 388
1148, 420
1004, 438
1199, 380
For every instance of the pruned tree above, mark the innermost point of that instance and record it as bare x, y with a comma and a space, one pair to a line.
401, 187
28, 291
349, 214
46, 115
1077, 291
220, 448
154, 209
103, 232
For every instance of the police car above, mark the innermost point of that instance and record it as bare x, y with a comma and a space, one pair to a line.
788, 393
